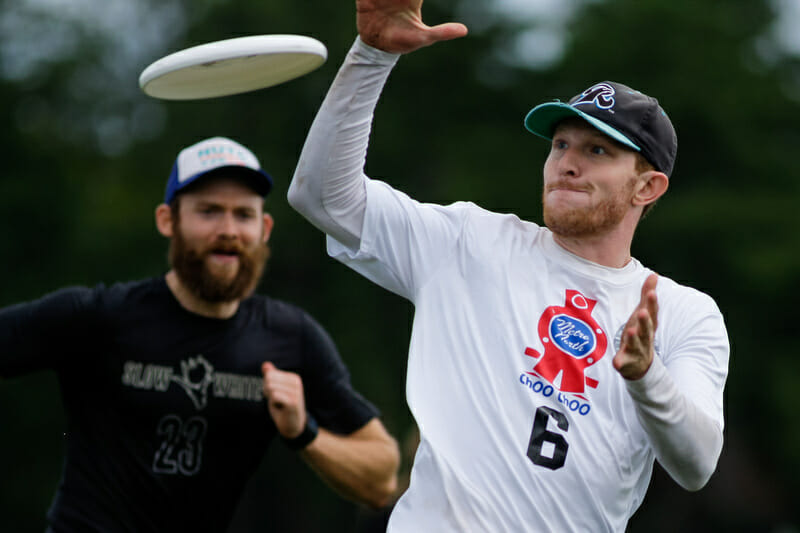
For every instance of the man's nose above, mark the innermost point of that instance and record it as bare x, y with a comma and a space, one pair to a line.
227, 225
569, 162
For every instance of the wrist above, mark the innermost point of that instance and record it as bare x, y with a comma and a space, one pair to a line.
374, 55
309, 433
652, 380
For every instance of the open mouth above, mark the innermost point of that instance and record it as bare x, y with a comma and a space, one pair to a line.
224, 255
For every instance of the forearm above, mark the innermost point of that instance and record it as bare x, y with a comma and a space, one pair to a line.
328, 184
361, 466
687, 442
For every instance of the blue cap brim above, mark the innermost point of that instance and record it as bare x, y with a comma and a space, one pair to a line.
258, 180
542, 121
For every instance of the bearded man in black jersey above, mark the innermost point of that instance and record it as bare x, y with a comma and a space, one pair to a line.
197, 374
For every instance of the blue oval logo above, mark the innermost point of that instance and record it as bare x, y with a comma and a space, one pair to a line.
572, 335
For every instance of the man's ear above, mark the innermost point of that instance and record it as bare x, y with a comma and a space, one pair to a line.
164, 220
268, 224
652, 186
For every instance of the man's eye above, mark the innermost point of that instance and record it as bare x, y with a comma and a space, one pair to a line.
598, 150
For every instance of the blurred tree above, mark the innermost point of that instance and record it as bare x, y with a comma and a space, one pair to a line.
86, 157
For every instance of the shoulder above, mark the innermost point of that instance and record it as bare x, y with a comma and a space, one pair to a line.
280, 315
672, 294
294, 328
504, 221
380, 195
455, 220
477, 221
135, 289
492, 229
80, 307
689, 318
126, 293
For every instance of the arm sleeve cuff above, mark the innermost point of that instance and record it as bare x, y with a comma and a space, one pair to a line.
686, 441
362, 51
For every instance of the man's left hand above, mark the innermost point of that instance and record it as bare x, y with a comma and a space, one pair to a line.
636, 350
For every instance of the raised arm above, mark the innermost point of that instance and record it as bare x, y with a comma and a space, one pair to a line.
328, 184
687, 441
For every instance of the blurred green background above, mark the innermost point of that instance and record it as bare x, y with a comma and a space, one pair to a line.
85, 156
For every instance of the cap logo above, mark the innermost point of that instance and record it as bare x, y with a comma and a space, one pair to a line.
601, 95
217, 152
210, 154
215, 156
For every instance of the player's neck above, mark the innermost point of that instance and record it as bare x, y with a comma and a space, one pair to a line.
612, 249
194, 304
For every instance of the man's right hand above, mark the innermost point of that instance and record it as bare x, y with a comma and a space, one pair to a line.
396, 26
285, 399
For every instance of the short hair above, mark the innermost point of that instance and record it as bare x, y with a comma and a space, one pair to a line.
642, 166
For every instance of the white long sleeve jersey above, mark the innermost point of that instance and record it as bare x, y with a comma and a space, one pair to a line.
524, 423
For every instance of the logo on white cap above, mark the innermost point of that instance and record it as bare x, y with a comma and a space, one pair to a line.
213, 153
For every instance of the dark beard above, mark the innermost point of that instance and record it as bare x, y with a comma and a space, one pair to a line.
190, 266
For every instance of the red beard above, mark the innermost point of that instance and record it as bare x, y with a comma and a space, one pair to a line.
583, 221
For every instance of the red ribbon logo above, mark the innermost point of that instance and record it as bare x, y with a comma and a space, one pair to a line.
573, 341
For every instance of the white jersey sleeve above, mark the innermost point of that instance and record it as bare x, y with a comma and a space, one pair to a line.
679, 401
328, 183
404, 240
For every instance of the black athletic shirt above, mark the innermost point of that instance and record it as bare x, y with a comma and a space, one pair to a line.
166, 419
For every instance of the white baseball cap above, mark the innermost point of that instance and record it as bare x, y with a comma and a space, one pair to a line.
201, 158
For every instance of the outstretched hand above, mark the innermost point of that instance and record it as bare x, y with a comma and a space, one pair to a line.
637, 346
285, 399
396, 26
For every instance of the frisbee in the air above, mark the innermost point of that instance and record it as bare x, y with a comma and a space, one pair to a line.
232, 66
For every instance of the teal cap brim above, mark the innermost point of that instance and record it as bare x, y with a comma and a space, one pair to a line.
542, 121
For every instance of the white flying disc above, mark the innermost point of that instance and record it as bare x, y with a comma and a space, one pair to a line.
232, 66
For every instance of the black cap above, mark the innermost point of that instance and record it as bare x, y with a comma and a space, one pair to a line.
624, 114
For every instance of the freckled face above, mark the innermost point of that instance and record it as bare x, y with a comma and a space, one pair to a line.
589, 181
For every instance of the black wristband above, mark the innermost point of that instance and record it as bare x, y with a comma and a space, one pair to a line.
308, 434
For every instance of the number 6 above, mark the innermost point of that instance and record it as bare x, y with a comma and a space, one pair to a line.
540, 435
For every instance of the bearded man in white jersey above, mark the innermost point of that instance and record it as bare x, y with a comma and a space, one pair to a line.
548, 369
